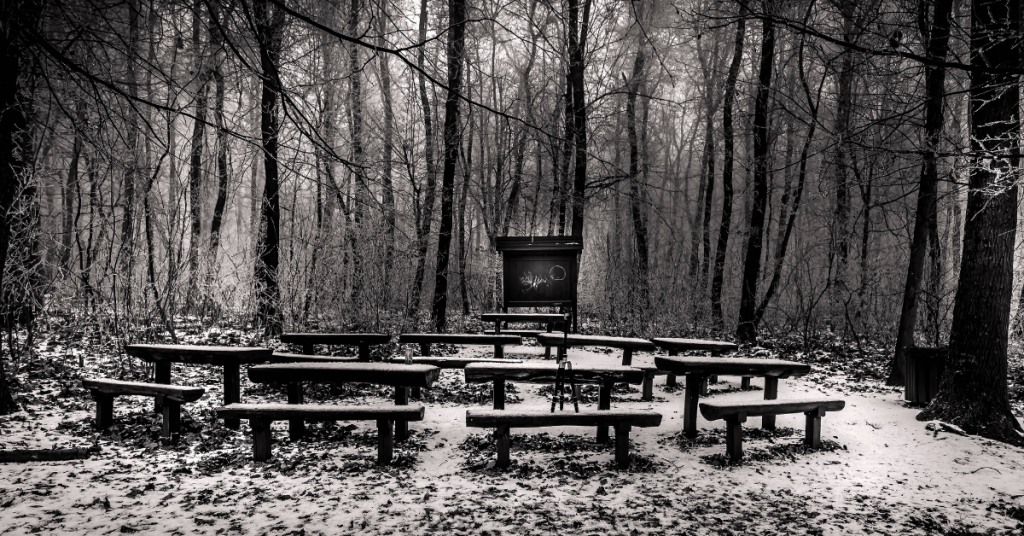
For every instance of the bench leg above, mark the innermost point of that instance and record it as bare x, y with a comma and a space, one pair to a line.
172, 418
296, 427
498, 393
504, 442
648, 392
385, 445
734, 437
104, 409
547, 349
401, 427
693, 383
308, 348
745, 383
415, 393
771, 392
704, 386
627, 357
604, 401
232, 391
261, 438
671, 380
812, 433
162, 373
424, 348
499, 351
364, 352
622, 445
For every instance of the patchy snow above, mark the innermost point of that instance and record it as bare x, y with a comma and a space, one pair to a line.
882, 471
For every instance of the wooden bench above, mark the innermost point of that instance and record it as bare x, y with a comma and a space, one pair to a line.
426, 339
549, 319
628, 344
170, 398
282, 357
546, 372
363, 340
697, 369
398, 376
450, 362
503, 421
736, 413
262, 415
715, 348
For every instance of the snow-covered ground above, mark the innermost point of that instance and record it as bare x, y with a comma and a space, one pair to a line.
882, 471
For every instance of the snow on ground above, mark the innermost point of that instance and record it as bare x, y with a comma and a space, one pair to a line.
881, 472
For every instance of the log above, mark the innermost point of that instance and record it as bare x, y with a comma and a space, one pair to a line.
45, 455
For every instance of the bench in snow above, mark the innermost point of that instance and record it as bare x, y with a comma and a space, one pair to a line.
170, 398
736, 413
426, 339
363, 340
261, 415
628, 344
715, 348
502, 421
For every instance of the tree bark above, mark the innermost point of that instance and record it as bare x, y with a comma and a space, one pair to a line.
452, 141
387, 183
746, 330
427, 207
577, 50
724, 228
268, 293
637, 189
935, 79
195, 172
973, 393
217, 45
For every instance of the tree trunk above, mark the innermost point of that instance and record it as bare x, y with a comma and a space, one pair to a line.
935, 79
973, 393
844, 107
216, 42
577, 50
467, 167
638, 190
71, 186
195, 172
268, 293
427, 207
724, 228
387, 184
746, 330
452, 141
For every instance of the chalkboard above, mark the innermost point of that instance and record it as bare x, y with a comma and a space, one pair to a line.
545, 280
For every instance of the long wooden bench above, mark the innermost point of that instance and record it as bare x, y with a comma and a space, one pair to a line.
283, 357
363, 340
627, 344
716, 348
262, 415
426, 339
450, 362
503, 421
548, 319
736, 413
170, 398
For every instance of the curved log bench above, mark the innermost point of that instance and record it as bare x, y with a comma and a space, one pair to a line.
503, 421
262, 415
363, 340
736, 413
716, 348
169, 397
628, 344
426, 339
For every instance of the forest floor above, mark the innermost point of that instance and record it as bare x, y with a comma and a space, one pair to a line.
879, 471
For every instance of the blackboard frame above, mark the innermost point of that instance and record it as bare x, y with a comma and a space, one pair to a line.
519, 252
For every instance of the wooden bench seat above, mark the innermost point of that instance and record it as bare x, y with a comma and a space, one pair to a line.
503, 421
628, 344
451, 362
716, 348
736, 413
520, 332
281, 357
261, 415
363, 340
426, 339
170, 398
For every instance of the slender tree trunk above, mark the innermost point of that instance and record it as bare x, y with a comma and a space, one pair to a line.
71, 186
637, 189
452, 141
132, 165
708, 202
387, 184
746, 330
577, 50
195, 172
724, 228
467, 166
973, 393
216, 42
427, 208
844, 107
268, 34
935, 79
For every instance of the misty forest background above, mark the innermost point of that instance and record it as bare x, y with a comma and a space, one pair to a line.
735, 168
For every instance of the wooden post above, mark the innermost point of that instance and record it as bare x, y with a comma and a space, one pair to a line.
385, 447
308, 348
504, 442
693, 382
498, 393
232, 392
364, 351
261, 438
745, 383
771, 392
499, 351
734, 437
812, 432
172, 418
627, 357
547, 349
704, 385
671, 380
424, 348
104, 409
162, 373
401, 427
604, 401
714, 377
622, 445
296, 427
648, 393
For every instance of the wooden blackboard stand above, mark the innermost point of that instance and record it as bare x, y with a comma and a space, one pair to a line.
541, 271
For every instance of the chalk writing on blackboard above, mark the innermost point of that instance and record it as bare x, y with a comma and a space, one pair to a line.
532, 281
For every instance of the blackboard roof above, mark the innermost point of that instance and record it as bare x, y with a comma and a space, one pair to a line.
539, 243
